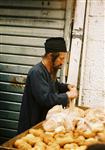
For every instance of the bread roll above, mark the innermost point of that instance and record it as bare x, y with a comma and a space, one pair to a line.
37, 132
22, 145
31, 139
40, 146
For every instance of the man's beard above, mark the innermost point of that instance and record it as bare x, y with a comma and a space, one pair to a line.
54, 71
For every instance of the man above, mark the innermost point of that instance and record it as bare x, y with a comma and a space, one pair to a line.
42, 90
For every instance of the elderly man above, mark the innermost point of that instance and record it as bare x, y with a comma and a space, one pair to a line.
42, 90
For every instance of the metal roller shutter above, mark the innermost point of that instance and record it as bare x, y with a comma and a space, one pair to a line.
24, 27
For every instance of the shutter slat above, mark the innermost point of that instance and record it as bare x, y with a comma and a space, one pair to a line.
10, 106
34, 4
8, 133
22, 50
13, 68
20, 40
12, 87
4, 114
56, 14
32, 22
19, 59
8, 124
38, 32
12, 97
13, 78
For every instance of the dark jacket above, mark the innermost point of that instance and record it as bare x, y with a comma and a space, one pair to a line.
41, 93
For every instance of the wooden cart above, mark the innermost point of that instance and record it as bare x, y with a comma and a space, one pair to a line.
9, 144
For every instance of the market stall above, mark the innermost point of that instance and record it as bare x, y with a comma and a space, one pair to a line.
64, 129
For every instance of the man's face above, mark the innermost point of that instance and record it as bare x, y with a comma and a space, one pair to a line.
59, 61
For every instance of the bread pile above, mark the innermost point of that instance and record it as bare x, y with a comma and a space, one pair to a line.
66, 129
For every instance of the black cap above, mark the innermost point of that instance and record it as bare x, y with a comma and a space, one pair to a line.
55, 44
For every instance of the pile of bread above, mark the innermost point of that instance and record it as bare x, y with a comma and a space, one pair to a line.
66, 129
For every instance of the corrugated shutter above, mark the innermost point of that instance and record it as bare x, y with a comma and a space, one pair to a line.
24, 26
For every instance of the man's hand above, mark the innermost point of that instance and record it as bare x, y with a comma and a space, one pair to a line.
70, 86
73, 93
